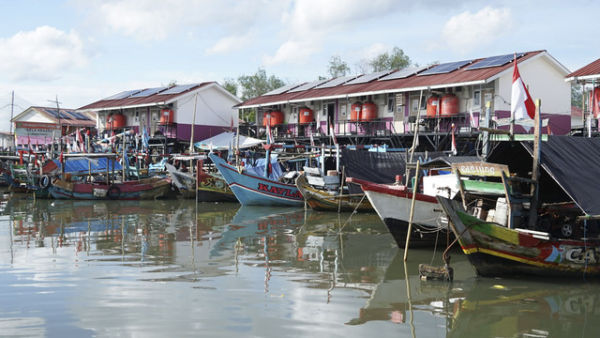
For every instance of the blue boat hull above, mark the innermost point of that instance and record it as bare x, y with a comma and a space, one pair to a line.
254, 190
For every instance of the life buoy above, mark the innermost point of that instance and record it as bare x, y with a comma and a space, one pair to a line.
44, 181
113, 192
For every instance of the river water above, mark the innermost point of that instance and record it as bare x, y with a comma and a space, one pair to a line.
175, 269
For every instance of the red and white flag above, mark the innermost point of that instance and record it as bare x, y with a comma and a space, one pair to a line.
453, 149
521, 104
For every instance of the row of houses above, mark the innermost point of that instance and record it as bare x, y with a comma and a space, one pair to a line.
461, 96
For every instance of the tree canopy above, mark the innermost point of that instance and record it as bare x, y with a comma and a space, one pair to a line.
231, 86
258, 84
388, 61
338, 67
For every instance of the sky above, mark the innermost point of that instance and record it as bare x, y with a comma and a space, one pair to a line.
81, 51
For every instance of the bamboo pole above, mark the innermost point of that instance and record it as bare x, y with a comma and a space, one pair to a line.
341, 191
192, 131
412, 210
535, 171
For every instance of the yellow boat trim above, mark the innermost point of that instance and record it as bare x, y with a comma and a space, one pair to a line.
507, 256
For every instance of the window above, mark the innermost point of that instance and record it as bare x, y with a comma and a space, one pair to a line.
477, 98
391, 103
343, 110
414, 104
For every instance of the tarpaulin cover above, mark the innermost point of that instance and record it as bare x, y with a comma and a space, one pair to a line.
227, 140
377, 167
98, 165
256, 167
574, 163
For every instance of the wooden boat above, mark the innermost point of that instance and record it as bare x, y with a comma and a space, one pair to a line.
256, 190
144, 189
330, 200
211, 187
493, 229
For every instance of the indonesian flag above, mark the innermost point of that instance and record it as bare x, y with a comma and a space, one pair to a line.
521, 104
270, 139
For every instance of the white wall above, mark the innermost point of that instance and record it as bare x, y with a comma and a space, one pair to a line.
31, 115
544, 80
213, 107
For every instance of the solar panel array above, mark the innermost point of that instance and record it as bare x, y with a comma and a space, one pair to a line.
148, 92
446, 67
308, 86
283, 89
403, 73
80, 116
337, 81
53, 113
368, 77
123, 95
178, 89
494, 61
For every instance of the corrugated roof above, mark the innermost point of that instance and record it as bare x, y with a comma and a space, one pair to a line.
139, 101
67, 116
587, 70
459, 76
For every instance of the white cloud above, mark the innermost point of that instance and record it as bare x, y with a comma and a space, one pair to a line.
42, 54
310, 22
230, 44
467, 30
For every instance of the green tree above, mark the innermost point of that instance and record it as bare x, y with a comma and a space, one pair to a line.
576, 95
338, 67
231, 86
257, 84
388, 61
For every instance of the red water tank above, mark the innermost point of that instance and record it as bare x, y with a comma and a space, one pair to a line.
369, 111
306, 115
167, 116
595, 102
118, 121
109, 121
355, 111
449, 105
275, 116
432, 106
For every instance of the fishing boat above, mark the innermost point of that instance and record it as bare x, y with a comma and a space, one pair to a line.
252, 189
211, 187
504, 232
331, 199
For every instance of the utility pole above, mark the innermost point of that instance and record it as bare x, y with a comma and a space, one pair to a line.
12, 108
59, 122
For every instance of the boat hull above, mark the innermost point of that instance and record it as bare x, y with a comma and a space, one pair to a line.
322, 201
496, 251
254, 190
146, 189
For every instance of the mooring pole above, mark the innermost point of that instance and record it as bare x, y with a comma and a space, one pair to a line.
412, 209
535, 170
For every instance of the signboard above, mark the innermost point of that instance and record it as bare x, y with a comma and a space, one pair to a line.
36, 133
481, 169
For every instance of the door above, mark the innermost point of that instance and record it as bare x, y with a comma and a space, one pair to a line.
330, 118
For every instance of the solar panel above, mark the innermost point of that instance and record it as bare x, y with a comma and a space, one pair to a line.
403, 73
53, 113
80, 116
308, 86
123, 95
337, 81
148, 92
178, 89
445, 67
368, 77
283, 89
494, 61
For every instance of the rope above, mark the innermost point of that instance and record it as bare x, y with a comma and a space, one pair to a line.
352, 214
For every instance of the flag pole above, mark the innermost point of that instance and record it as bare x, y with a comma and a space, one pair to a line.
535, 170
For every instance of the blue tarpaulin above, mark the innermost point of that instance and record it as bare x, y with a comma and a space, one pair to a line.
98, 165
258, 168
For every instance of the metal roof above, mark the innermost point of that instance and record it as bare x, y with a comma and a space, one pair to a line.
412, 82
156, 98
68, 117
589, 71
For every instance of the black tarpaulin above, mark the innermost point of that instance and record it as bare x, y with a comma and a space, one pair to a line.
574, 163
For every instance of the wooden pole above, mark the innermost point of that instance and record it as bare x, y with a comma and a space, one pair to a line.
415, 142
124, 158
535, 170
341, 191
412, 209
192, 131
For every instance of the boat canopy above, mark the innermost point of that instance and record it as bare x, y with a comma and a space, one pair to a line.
227, 140
83, 165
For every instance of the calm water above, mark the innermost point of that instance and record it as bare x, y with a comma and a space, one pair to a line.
169, 269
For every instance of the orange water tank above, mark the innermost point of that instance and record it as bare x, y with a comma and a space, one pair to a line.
167, 116
118, 121
595, 102
306, 115
109, 121
355, 111
432, 106
449, 105
275, 116
369, 111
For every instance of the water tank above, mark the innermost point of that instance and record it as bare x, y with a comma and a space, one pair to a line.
449, 105
595, 102
369, 111
355, 111
275, 116
306, 115
432, 106
167, 116
118, 121
109, 121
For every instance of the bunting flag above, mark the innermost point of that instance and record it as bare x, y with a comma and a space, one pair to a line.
270, 139
312, 140
332, 133
145, 138
521, 104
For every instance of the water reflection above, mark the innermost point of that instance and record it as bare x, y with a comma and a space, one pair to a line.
176, 268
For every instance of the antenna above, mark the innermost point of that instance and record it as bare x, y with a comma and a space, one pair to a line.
59, 120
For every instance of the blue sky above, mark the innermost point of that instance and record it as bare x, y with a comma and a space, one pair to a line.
84, 50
